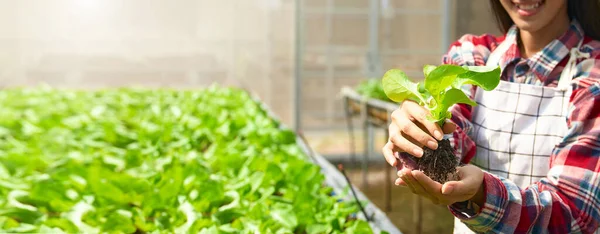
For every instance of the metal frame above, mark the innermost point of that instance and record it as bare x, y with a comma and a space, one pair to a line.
299, 49
363, 11
373, 55
374, 69
446, 25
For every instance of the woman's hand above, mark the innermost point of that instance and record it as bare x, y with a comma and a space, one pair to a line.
469, 187
410, 131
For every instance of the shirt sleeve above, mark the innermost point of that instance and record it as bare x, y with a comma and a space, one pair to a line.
469, 50
568, 199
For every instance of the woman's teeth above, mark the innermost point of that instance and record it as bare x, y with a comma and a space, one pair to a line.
528, 7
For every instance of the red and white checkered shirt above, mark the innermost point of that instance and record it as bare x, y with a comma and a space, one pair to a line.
568, 199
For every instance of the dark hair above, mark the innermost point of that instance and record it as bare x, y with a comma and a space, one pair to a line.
584, 11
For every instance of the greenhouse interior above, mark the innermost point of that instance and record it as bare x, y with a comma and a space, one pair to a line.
203, 116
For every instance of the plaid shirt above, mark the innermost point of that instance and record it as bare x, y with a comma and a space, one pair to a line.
568, 199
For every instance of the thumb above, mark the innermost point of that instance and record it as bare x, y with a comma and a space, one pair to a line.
449, 127
453, 187
466, 185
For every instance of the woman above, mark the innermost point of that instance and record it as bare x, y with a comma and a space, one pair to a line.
534, 142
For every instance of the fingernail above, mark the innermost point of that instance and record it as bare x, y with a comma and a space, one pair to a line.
418, 152
397, 182
432, 145
448, 190
438, 135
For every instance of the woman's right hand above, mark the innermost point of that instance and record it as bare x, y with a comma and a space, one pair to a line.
410, 130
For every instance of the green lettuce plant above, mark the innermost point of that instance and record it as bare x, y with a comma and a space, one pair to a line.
440, 90
372, 88
157, 161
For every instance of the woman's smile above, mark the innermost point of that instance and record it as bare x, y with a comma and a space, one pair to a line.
528, 8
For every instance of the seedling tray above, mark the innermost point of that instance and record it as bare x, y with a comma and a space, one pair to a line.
378, 220
376, 111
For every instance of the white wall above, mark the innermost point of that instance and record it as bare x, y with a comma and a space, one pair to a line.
192, 43
154, 43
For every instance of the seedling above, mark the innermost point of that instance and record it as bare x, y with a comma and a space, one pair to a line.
440, 90
128, 160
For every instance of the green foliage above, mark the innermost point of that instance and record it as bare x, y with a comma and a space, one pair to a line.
160, 161
372, 88
441, 87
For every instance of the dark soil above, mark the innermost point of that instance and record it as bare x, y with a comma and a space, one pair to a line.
440, 165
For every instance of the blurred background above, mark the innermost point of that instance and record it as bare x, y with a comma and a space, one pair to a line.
294, 55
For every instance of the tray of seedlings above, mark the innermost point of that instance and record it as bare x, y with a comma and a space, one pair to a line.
130, 160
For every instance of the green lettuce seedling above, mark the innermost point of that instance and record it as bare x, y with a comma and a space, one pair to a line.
441, 88
438, 92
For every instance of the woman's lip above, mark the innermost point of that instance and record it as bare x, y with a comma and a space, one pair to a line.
529, 12
527, 2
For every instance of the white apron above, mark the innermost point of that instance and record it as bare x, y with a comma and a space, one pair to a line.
516, 126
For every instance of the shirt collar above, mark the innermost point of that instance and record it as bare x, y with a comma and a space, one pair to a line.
543, 62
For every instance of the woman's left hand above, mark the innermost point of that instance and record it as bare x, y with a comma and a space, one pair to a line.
469, 187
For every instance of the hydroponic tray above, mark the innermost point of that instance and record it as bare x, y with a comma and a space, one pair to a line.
142, 161
378, 220
376, 111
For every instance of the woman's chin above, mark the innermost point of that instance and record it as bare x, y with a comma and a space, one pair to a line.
528, 26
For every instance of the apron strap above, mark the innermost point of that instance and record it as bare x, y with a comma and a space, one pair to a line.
567, 75
494, 58
570, 69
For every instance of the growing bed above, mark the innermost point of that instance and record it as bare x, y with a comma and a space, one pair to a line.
368, 102
374, 111
137, 161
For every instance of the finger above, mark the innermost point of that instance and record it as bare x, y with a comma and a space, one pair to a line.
430, 186
402, 122
450, 188
407, 179
427, 183
467, 185
413, 131
418, 189
449, 127
388, 153
400, 182
393, 130
419, 114
409, 186
403, 172
406, 146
